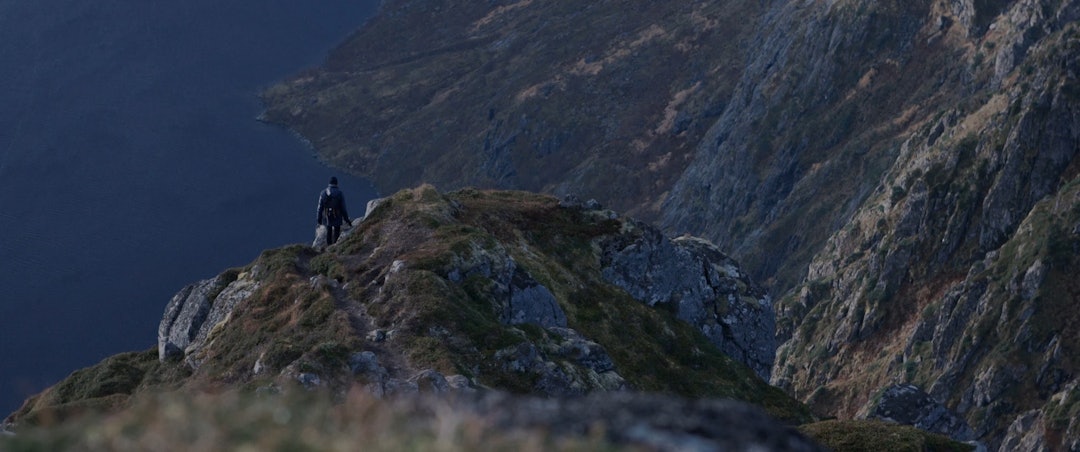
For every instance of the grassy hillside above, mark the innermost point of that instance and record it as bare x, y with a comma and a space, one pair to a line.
418, 289
867, 161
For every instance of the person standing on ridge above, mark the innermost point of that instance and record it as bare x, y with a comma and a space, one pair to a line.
331, 212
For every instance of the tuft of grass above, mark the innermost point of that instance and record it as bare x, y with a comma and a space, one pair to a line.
286, 259
285, 320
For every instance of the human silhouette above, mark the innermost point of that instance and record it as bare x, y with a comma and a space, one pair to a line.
331, 211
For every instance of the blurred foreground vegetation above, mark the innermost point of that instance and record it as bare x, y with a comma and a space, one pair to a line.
315, 421
236, 421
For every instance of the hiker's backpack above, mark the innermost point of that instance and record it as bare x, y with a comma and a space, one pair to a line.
332, 206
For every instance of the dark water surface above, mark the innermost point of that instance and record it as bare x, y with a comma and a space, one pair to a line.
131, 164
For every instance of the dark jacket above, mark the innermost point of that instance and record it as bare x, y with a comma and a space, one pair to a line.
331, 211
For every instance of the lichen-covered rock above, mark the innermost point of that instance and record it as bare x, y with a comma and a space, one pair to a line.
366, 363
702, 285
565, 364
1055, 426
520, 298
909, 405
184, 316
531, 302
1025, 433
196, 310
430, 381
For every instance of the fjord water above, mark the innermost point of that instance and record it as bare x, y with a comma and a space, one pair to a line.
131, 164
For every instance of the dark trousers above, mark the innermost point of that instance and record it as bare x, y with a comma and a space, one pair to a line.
332, 234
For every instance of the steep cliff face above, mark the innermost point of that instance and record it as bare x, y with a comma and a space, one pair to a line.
898, 173
600, 99
954, 272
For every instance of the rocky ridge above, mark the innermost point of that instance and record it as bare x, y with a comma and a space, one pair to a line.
687, 276
468, 292
900, 174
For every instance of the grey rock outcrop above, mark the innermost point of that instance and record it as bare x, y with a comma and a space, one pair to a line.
566, 364
183, 317
531, 302
430, 381
366, 363
192, 313
703, 286
1025, 433
381, 383
521, 299
907, 404
1053, 427
371, 206
572, 345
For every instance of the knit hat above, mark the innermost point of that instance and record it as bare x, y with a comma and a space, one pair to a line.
333, 180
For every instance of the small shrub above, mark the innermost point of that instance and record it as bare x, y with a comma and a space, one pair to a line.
897, 194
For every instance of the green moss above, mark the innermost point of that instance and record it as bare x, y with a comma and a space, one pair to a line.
429, 352
280, 353
316, 311
119, 374
654, 351
332, 351
105, 386
455, 326
285, 259
448, 327
328, 264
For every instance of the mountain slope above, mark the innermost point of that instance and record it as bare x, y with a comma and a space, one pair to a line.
872, 162
545, 96
942, 277
431, 292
